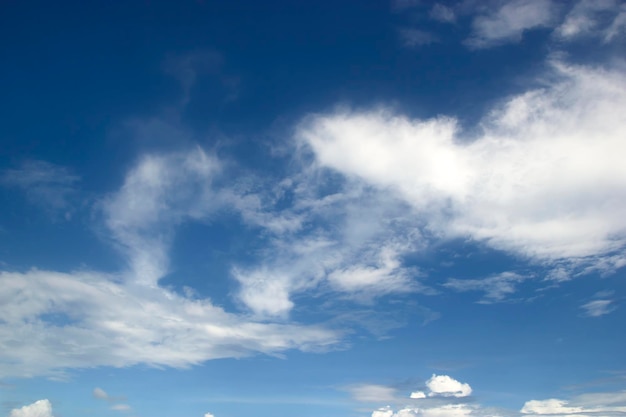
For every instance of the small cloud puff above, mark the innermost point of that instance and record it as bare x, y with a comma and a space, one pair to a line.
445, 386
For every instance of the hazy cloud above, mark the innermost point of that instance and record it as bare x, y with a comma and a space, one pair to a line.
509, 21
442, 13
597, 308
47, 185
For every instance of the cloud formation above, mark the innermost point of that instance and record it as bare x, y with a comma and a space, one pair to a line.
544, 167
607, 404
54, 321
47, 185
509, 21
597, 308
496, 288
41, 408
604, 19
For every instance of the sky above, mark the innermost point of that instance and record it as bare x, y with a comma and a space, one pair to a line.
317, 209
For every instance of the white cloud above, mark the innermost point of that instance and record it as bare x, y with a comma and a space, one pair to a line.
543, 179
351, 246
158, 194
597, 308
596, 18
509, 22
412, 38
383, 412
442, 13
100, 394
208, 415
101, 322
445, 386
551, 406
448, 410
606, 404
372, 393
47, 185
41, 408
496, 288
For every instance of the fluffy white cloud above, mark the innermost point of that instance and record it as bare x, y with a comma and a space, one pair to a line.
208, 415
41, 408
510, 20
445, 386
544, 179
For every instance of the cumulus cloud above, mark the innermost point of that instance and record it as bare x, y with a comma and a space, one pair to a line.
41, 408
542, 180
445, 386
208, 415
509, 21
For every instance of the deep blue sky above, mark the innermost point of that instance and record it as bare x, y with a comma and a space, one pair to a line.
357, 208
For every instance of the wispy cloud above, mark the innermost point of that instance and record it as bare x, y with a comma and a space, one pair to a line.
117, 403
605, 19
187, 68
413, 38
49, 186
442, 13
112, 324
372, 393
496, 288
510, 20
597, 308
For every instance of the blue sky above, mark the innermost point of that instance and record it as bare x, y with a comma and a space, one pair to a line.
358, 208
